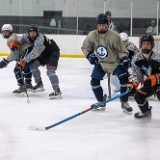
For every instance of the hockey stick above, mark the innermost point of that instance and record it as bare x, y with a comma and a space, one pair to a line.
76, 115
20, 69
109, 85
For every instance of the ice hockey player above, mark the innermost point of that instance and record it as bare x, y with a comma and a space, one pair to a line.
12, 38
44, 52
111, 24
133, 50
131, 47
103, 48
146, 63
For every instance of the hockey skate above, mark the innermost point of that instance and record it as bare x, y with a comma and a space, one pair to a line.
20, 90
126, 107
143, 115
56, 94
29, 86
100, 108
38, 87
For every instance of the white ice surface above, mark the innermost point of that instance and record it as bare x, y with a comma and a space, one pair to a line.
101, 135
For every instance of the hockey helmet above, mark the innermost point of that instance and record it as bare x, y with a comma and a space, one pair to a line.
124, 36
33, 27
108, 13
148, 38
101, 19
7, 27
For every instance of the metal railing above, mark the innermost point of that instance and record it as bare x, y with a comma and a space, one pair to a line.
18, 28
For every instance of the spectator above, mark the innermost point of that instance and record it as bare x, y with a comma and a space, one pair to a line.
152, 29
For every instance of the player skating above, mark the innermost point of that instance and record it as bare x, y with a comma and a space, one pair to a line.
45, 52
146, 63
133, 50
103, 48
12, 38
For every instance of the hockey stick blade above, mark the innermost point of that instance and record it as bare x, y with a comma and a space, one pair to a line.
36, 128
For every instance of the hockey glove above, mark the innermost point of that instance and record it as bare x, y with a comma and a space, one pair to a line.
132, 85
3, 63
92, 58
22, 63
125, 62
13, 45
153, 80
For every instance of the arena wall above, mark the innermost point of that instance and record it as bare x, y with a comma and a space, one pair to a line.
70, 45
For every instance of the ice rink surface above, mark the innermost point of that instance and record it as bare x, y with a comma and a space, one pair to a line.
95, 135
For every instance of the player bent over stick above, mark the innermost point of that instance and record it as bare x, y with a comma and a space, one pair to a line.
146, 63
12, 38
103, 48
45, 52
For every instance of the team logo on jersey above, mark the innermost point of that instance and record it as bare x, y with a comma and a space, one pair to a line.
147, 71
102, 52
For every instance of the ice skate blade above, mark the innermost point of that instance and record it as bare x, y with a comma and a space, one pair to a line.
55, 97
40, 90
29, 90
129, 113
20, 94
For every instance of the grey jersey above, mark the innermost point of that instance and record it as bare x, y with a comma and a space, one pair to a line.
140, 65
37, 49
132, 48
42, 47
20, 49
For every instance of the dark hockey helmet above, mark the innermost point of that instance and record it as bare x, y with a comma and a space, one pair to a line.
33, 27
101, 19
149, 38
108, 13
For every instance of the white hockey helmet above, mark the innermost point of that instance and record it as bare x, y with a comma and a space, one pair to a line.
7, 27
124, 36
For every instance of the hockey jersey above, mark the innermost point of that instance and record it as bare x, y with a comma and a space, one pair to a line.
42, 47
109, 49
132, 49
142, 66
20, 49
